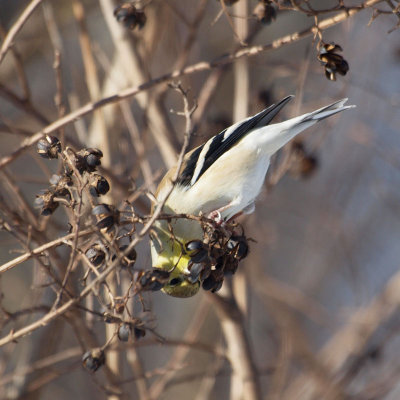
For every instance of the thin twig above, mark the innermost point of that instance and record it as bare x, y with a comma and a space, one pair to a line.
39, 250
19, 66
19, 23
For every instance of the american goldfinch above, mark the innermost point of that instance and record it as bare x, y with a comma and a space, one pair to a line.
220, 179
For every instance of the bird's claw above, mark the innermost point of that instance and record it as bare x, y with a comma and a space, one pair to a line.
216, 216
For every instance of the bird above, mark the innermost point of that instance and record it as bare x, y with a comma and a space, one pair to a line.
220, 179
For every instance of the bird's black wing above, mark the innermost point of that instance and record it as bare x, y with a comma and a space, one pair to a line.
205, 155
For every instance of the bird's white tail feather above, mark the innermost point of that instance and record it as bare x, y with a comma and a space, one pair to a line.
277, 135
327, 111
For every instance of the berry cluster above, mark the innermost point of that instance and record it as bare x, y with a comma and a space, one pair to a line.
79, 165
211, 262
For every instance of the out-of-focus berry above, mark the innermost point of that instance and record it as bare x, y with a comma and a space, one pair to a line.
130, 16
124, 332
119, 305
49, 147
93, 359
265, 12
138, 332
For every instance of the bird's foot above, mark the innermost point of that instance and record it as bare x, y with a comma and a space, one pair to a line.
216, 216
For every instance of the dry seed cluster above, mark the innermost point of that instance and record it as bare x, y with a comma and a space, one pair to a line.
215, 258
333, 62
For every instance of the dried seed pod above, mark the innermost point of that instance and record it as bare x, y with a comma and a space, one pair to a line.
220, 262
92, 157
129, 259
96, 254
49, 147
107, 216
87, 160
231, 266
98, 185
46, 202
119, 305
194, 246
217, 286
197, 251
124, 332
108, 318
138, 332
93, 359
238, 247
265, 12
212, 283
61, 185
55, 179
195, 270
200, 257
130, 16
333, 63
218, 273
205, 273
153, 279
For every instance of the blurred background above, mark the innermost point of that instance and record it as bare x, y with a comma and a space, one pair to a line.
317, 297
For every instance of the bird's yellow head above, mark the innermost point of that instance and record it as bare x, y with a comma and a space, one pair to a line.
173, 257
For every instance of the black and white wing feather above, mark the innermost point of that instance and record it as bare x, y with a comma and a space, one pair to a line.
200, 159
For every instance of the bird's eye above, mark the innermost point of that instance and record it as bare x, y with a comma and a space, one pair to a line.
175, 281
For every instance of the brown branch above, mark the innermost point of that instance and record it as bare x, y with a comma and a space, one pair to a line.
245, 381
39, 250
201, 66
